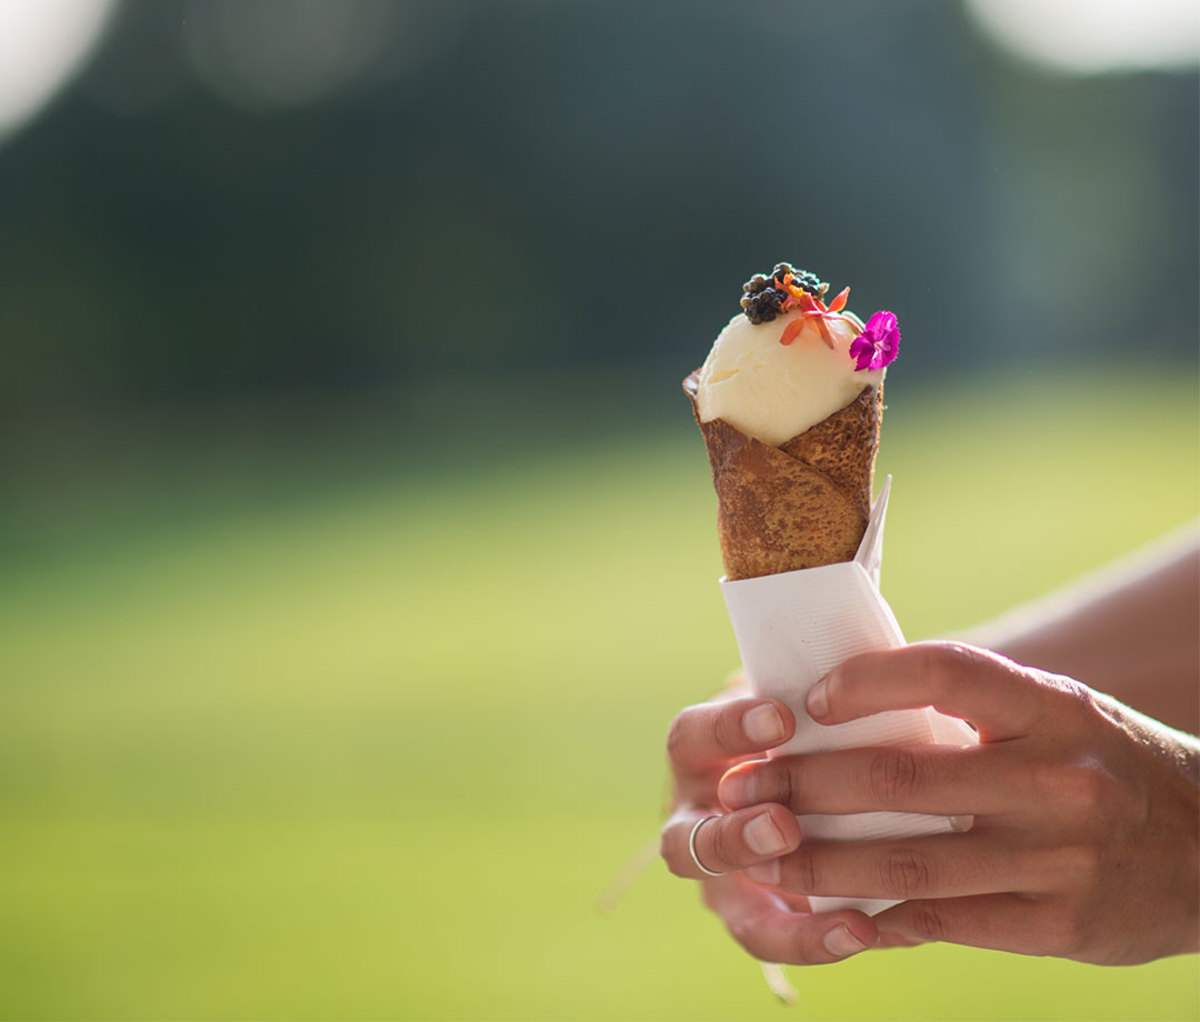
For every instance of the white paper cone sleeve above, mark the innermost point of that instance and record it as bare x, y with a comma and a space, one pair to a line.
792, 629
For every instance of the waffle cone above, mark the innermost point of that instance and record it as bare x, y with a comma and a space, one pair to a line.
800, 505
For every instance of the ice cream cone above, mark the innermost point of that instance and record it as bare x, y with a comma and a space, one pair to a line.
802, 504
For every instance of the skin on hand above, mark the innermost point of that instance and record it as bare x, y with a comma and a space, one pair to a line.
703, 743
1085, 842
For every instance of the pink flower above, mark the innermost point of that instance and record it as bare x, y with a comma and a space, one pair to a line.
877, 345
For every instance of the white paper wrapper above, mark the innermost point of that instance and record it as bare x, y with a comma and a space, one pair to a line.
792, 629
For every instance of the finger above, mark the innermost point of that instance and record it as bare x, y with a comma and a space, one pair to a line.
1002, 699
709, 734
940, 780
938, 866
1001, 922
773, 932
727, 843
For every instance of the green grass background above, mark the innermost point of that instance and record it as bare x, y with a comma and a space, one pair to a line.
373, 746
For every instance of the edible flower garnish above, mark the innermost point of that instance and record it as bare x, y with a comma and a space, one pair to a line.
878, 344
765, 297
811, 307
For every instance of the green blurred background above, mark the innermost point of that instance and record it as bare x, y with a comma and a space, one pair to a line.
357, 543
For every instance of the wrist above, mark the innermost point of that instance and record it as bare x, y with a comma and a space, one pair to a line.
1188, 759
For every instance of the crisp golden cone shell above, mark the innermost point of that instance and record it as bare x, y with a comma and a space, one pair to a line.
800, 505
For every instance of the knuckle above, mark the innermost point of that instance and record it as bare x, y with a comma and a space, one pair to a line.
927, 921
1086, 787
764, 781
1132, 802
746, 931
1070, 695
727, 730
946, 663
952, 653
929, 660
722, 852
1065, 933
801, 871
1081, 866
894, 774
791, 789
1078, 693
677, 736
904, 874
666, 850
1082, 790
752, 930
776, 782
940, 662
676, 869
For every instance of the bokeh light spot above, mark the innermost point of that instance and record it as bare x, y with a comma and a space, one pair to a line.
1086, 37
43, 43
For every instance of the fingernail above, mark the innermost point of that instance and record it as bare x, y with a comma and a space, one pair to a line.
764, 873
841, 942
734, 789
763, 724
763, 837
818, 701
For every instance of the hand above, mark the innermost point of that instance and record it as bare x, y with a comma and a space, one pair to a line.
704, 742
1085, 837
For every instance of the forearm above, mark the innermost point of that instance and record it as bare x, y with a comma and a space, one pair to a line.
1132, 631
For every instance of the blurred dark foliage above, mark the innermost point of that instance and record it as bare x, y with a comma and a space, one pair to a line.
508, 186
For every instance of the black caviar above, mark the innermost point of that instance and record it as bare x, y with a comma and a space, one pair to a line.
764, 304
764, 297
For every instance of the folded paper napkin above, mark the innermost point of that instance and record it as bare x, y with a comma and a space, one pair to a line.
792, 629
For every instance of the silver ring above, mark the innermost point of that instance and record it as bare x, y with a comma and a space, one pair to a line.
692, 845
